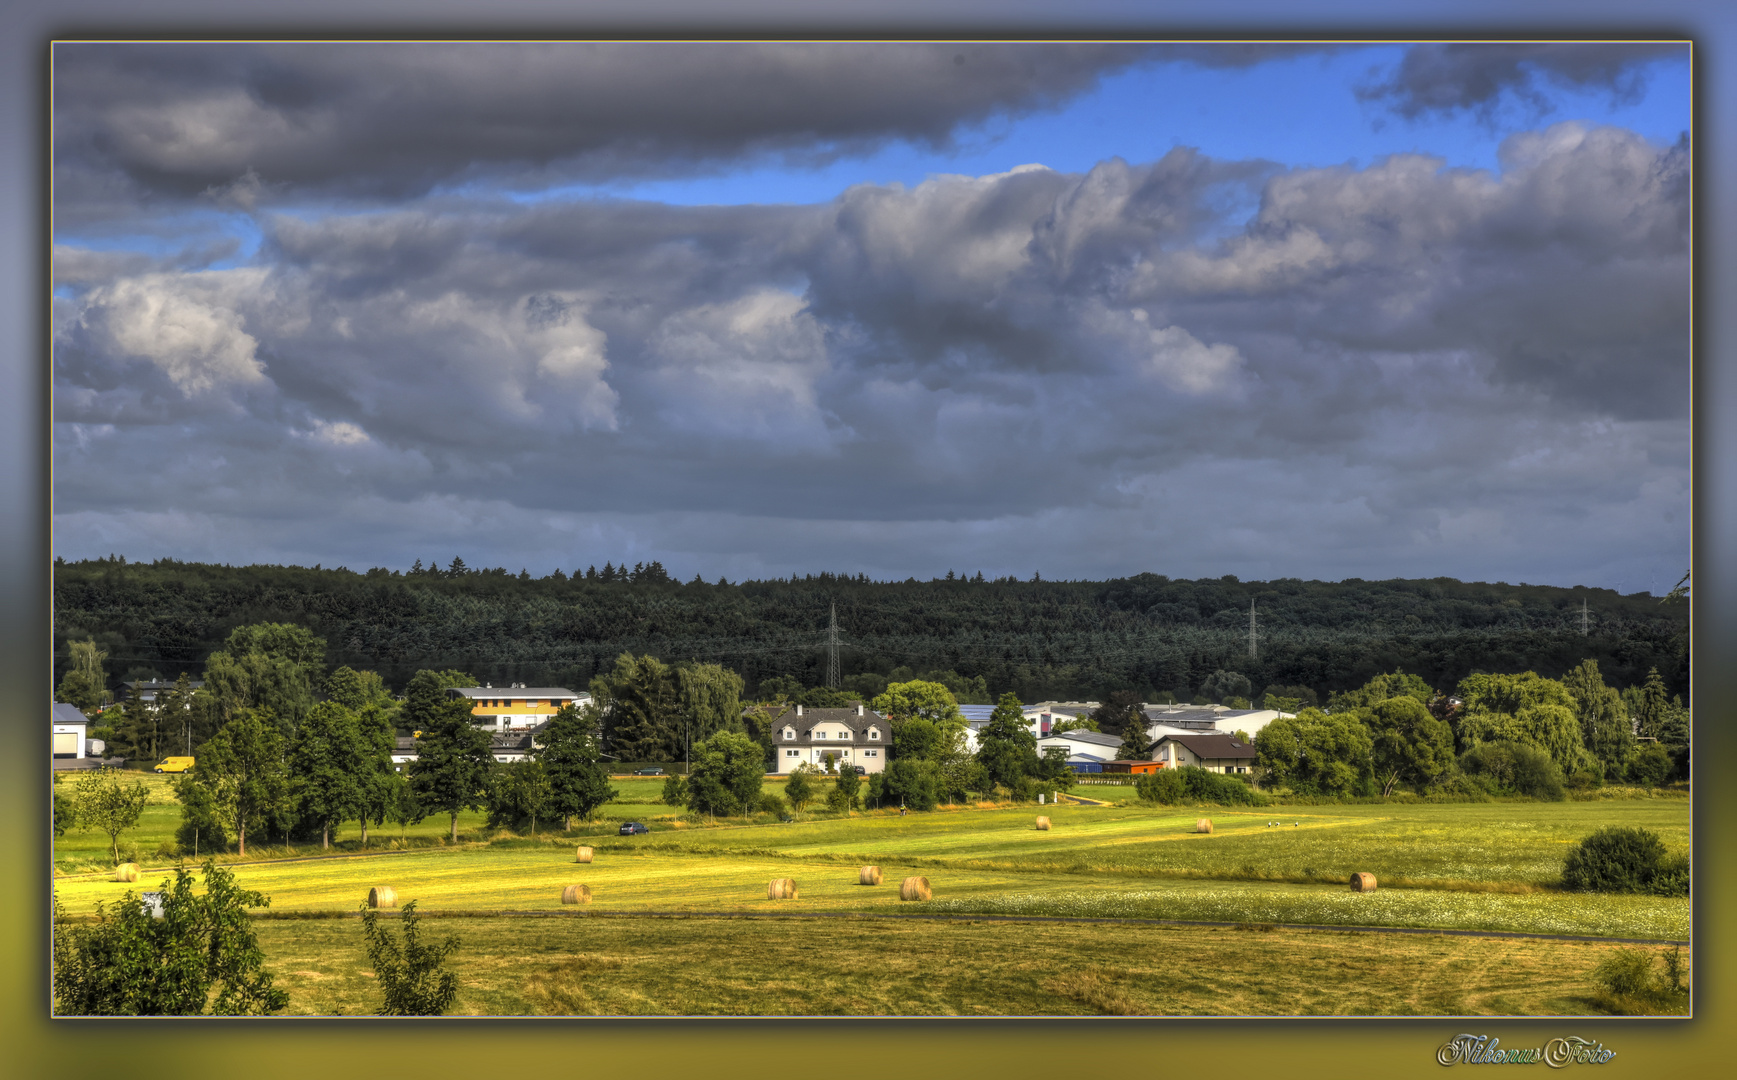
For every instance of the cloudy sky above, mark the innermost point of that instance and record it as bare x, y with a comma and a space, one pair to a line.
1081, 310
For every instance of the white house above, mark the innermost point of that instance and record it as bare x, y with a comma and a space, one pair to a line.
1216, 753
1091, 746
66, 731
850, 736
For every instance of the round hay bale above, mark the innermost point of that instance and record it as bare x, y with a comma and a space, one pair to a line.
1362, 882
576, 894
869, 875
781, 889
1043, 824
1204, 825
382, 896
915, 888
127, 871
584, 855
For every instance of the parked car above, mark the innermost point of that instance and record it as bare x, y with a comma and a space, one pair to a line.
633, 827
648, 772
174, 765
860, 771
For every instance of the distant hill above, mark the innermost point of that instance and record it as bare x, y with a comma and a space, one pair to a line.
1041, 639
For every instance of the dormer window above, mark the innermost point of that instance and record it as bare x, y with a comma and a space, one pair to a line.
790, 733
874, 733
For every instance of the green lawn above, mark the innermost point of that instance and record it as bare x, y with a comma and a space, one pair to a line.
636, 966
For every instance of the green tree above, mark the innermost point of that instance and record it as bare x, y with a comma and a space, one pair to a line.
1409, 745
519, 791
453, 762
109, 806
1523, 708
675, 790
1223, 684
131, 964
1136, 744
356, 690
641, 702
726, 776
1120, 709
1074, 723
410, 975
917, 738
918, 699
85, 684
1382, 688
138, 728
273, 666
329, 768
242, 773
1314, 752
912, 783
709, 700
1006, 748
425, 697
799, 789
1603, 719
65, 809
376, 775
1647, 705
846, 790
578, 779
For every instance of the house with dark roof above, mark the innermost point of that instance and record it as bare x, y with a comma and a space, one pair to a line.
1214, 752
850, 736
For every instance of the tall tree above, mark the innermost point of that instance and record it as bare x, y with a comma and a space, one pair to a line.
1523, 708
377, 776
1006, 748
1381, 688
425, 696
242, 769
1647, 705
329, 765
1120, 708
1603, 718
1408, 743
1314, 752
85, 684
273, 666
726, 776
568, 750
641, 706
453, 762
710, 700
1135, 743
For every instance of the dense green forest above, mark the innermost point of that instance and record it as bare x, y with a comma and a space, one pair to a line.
1039, 639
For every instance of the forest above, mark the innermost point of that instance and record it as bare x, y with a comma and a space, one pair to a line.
1146, 635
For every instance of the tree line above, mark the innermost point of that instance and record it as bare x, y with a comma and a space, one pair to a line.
1148, 634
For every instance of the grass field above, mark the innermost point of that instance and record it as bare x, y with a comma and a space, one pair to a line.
635, 966
1473, 866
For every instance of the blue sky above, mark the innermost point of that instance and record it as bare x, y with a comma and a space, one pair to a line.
781, 308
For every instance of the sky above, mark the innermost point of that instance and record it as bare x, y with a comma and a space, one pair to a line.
1083, 310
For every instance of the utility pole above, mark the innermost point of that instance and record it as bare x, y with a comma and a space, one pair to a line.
832, 649
1253, 634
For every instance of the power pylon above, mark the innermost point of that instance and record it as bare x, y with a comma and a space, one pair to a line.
1584, 623
1254, 649
832, 648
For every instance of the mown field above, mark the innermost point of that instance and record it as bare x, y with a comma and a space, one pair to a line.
639, 966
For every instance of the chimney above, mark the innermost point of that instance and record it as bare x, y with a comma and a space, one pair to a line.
859, 708
798, 710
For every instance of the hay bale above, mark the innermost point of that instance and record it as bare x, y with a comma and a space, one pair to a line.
1043, 824
127, 871
781, 889
584, 855
1204, 825
576, 894
869, 875
915, 888
1362, 882
382, 896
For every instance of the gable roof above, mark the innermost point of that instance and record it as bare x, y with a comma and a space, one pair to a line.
62, 713
1097, 738
1212, 746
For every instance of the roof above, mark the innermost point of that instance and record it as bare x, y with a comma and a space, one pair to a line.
1213, 746
1096, 738
62, 713
514, 691
160, 684
858, 725
976, 712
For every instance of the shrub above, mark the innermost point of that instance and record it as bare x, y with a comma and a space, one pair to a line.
1193, 784
1650, 767
913, 780
1627, 973
770, 803
1619, 860
675, 790
410, 977
1515, 767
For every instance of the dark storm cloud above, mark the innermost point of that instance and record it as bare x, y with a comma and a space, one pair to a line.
1401, 365
1477, 76
390, 121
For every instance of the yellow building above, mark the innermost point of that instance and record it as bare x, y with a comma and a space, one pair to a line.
507, 708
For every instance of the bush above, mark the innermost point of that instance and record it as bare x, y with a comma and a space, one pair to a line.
1619, 860
914, 781
1628, 973
1193, 784
1517, 768
410, 976
675, 790
770, 803
1650, 767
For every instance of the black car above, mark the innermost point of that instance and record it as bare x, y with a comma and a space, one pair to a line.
648, 772
633, 827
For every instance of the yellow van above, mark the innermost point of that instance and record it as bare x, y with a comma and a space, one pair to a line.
174, 765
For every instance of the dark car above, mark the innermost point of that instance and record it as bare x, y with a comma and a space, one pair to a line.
648, 772
633, 827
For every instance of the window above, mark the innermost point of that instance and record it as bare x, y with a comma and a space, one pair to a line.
792, 753
790, 733
874, 733
871, 753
